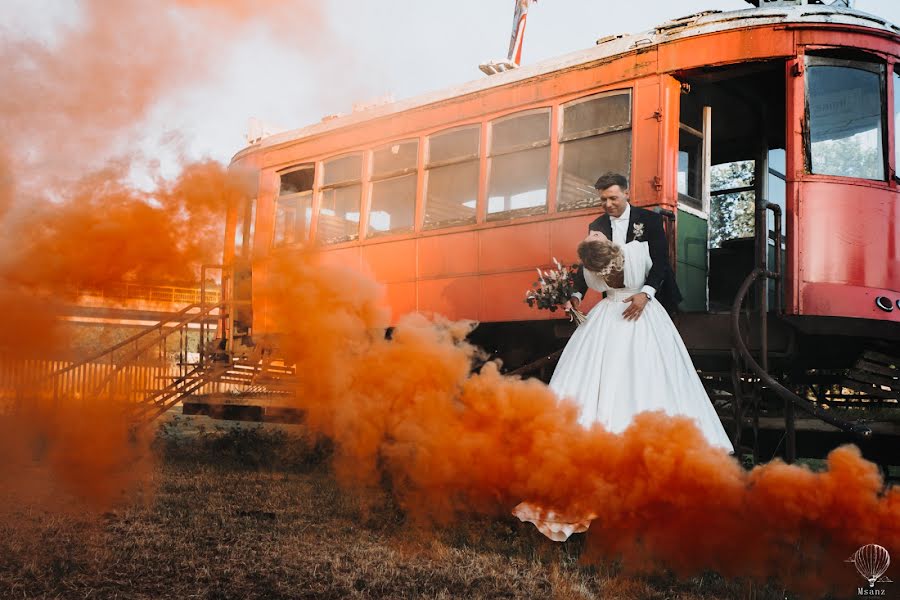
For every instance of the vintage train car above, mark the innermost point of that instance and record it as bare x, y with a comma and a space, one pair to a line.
768, 135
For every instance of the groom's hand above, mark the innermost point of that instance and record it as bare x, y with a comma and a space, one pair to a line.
638, 302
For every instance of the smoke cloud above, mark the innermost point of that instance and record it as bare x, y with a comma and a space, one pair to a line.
452, 444
406, 409
71, 111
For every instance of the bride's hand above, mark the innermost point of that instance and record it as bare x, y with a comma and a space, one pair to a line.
638, 302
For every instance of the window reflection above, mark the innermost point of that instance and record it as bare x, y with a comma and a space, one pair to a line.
519, 166
845, 118
451, 184
596, 138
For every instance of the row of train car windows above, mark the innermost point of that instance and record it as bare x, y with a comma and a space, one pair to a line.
594, 136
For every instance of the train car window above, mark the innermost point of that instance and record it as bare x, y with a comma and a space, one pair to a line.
293, 207
595, 137
395, 159
393, 191
690, 169
845, 105
519, 165
896, 120
244, 230
459, 144
292, 218
301, 180
777, 185
451, 177
598, 114
339, 200
732, 202
342, 170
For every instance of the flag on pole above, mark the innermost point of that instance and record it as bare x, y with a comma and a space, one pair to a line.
518, 31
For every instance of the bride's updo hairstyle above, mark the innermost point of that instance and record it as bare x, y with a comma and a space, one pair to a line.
605, 259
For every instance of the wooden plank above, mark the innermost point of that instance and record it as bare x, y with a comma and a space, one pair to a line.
881, 358
868, 388
888, 382
871, 367
777, 423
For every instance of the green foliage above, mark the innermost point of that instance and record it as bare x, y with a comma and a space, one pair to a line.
731, 215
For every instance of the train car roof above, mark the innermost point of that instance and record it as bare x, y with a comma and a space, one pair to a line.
692, 25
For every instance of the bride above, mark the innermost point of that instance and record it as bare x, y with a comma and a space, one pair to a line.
614, 367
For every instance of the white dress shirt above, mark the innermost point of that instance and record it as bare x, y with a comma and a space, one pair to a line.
620, 234
620, 226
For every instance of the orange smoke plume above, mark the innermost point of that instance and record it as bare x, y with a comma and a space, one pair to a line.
72, 102
71, 109
452, 443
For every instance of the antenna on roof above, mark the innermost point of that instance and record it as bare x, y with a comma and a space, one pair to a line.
514, 58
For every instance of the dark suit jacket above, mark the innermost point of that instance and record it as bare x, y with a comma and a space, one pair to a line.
661, 276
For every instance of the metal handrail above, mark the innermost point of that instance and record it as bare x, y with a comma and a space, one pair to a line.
124, 363
134, 291
176, 317
770, 382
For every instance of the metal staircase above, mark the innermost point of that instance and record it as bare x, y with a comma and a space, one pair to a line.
155, 369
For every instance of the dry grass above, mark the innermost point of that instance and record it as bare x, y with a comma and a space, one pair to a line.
254, 513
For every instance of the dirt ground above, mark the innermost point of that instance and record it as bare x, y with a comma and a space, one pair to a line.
243, 511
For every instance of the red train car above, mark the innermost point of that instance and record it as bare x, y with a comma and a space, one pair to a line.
768, 135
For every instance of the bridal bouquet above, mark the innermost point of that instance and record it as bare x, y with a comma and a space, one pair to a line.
553, 288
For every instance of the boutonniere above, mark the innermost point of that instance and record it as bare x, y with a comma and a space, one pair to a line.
638, 230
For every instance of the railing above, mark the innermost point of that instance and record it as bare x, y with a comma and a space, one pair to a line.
21, 379
153, 370
153, 293
761, 369
131, 371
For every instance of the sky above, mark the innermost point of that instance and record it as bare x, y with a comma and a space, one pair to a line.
358, 51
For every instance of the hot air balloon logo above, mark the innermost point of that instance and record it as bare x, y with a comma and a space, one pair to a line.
872, 562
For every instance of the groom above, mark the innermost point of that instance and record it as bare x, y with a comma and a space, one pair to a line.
623, 223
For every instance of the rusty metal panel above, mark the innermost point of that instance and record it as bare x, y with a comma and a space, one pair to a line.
391, 261
670, 105
566, 234
795, 107
502, 298
850, 37
343, 257
849, 234
448, 254
265, 214
401, 298
840, 300
514, 247
724, 48
646, 177
454, 297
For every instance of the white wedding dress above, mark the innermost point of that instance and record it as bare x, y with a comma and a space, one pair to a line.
614, 369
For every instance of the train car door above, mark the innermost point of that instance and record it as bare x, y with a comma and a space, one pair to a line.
731, 156
694, 140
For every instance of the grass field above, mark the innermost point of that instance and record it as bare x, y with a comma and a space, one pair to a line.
239, 511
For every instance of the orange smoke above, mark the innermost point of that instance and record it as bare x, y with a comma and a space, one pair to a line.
452, 443
70, 115
102, 232
71, 104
